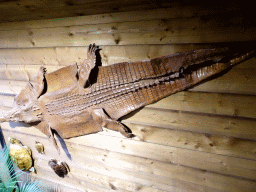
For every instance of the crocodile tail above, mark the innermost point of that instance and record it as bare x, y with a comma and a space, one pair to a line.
189, 78
128, 72
150, 91
173, 63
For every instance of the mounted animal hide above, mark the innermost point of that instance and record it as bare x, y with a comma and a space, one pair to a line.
66, 102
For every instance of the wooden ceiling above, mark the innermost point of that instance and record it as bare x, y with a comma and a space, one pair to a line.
24, 10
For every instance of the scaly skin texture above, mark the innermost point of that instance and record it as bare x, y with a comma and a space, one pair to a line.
65, 101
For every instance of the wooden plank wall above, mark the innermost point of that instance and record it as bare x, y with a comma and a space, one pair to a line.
202, 139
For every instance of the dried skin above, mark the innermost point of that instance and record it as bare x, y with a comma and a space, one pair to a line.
64, 100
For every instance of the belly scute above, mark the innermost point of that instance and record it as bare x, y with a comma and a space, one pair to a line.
67, 106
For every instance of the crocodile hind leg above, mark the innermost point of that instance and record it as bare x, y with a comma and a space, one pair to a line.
100, 116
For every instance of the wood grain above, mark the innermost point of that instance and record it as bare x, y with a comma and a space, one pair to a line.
201, 139
133, 168
202, 123
235, 105
63, 36
130, 31
209, 143
63, 56
72, 12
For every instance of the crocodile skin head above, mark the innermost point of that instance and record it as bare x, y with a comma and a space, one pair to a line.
25, 107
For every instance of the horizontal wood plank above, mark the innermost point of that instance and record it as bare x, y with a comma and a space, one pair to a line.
201, 123
84, 170
212, 162
210, 103
195, 141
45, 172
67, 38
117, 164
237, 81
86, 179
63, 56
6, 101
55, 184
33, 12
172, 31
115, 16
11, 87
167, 13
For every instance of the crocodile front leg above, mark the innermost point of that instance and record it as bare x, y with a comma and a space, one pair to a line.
53, 140
39, 81
100, 116
87, 66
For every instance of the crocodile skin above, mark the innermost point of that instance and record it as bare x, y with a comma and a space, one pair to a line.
64, 101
